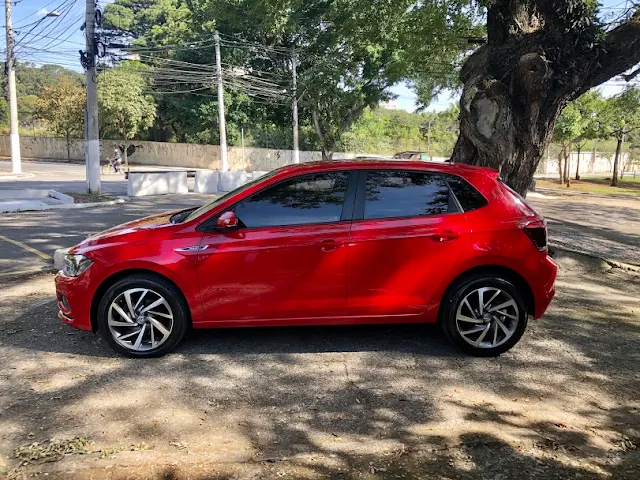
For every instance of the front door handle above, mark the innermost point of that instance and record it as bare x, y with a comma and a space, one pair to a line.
445, 236
328, 245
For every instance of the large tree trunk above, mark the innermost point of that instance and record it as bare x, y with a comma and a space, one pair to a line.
578, 163
539, 56
616, 160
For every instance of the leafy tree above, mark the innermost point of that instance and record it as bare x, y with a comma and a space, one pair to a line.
125, 108
620, 118
567, 128
350, 51
4, 113
27, 109
62, 108
539, 55
590, 105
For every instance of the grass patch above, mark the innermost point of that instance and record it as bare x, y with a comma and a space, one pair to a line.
90, 197
598, 185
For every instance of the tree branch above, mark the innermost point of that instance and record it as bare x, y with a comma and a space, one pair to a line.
632, 75
316, 125
620, 52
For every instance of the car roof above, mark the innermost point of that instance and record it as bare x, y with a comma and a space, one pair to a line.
376, 163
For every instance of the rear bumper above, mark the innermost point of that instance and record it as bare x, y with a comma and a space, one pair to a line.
544, 291
74, 301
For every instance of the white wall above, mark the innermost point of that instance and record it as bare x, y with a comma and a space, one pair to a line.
167, 154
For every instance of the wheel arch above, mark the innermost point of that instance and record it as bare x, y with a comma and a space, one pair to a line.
115, 277
499, 270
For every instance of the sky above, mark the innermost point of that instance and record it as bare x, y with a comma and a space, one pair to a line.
41, 39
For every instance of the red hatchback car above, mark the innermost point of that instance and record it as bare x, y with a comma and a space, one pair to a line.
328, 243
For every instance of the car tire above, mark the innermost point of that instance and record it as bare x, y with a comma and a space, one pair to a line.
484, 331
159, 321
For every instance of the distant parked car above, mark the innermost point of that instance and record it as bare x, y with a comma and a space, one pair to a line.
326, 243
372, 157
412, 155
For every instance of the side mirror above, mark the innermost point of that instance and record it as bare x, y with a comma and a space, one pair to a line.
227, 220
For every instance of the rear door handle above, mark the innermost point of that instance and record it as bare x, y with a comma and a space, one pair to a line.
328, 245
445, 236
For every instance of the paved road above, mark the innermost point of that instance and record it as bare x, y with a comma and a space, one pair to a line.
49, 230
596, 225
64, 177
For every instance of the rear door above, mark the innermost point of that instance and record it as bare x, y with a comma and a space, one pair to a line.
405, 236
288, 258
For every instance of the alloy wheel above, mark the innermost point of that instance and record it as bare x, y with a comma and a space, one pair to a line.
140, 319
487, 317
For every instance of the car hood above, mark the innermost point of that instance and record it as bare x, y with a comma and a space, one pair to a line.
130, 232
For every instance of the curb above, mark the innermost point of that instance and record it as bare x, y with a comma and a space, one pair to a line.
612, 263
71, 206
28, 272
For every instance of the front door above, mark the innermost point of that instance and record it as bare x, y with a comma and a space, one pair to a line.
287, 260
406, 233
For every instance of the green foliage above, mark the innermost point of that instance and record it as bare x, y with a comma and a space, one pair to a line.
31, 80
621, 113
382, 131
4, 113
125, 108
569, 125
61, 106
350, 51
26, 109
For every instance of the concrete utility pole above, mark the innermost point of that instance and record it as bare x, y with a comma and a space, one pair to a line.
224, 162
93, 139
16, 164
296, 148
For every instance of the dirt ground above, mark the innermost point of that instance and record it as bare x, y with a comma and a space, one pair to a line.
353, 403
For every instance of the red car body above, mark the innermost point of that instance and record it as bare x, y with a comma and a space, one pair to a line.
352, 271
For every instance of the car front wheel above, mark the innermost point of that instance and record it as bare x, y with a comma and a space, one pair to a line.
142, 316
485, 315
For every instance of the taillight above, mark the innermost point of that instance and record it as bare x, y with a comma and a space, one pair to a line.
537, 233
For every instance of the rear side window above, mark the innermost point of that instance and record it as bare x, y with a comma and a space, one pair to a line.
468, 197
396, 193
315, 198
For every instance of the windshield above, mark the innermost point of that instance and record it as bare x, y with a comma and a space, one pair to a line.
207, 207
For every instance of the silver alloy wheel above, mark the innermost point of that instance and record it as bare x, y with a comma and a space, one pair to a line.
140, 319
487, 317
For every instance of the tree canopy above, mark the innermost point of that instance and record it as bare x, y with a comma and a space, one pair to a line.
124, 107
62, 106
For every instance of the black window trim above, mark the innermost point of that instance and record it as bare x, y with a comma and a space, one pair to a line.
358, 212
345, 216
462, 210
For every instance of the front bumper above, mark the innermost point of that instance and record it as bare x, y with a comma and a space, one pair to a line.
74, 300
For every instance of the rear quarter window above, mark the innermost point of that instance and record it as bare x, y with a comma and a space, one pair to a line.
468, 197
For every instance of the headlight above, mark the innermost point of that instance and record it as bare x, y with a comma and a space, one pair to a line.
75, 265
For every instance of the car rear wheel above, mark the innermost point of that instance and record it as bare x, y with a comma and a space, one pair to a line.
142, 316
484, 315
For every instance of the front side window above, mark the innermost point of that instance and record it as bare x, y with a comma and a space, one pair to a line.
313, 198
397, 193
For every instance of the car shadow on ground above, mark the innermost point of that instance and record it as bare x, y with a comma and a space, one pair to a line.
36, 330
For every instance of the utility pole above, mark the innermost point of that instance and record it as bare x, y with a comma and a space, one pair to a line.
16, 165
93, 139
224, 162
296, 148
